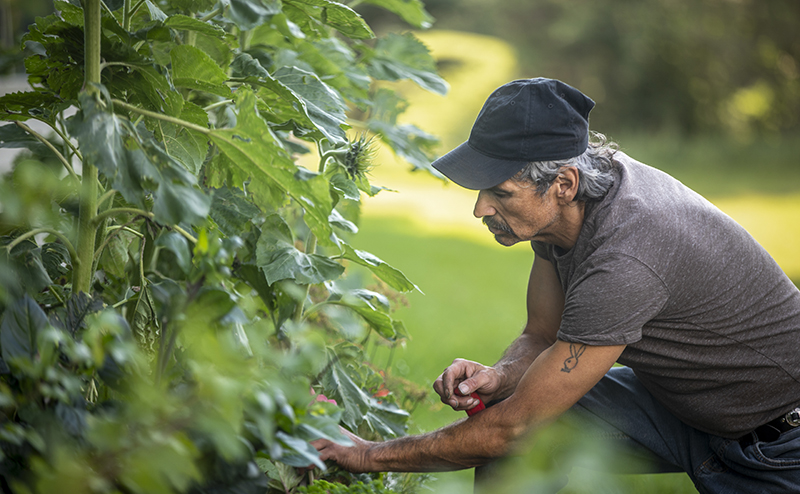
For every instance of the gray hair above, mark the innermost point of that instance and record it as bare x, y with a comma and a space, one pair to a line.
594, 166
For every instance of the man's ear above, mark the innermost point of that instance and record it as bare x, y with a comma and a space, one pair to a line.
567, 184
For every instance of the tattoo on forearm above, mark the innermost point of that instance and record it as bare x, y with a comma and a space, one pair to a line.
571, 362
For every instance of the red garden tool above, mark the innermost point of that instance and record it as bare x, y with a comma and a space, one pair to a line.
477, 408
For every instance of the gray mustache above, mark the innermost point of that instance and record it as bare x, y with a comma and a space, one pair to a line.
496, 225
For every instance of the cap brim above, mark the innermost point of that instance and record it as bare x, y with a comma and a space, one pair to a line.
473, 170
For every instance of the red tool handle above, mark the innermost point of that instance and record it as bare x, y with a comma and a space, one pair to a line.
477, 408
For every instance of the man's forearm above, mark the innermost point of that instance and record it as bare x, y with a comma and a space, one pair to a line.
466, 443
542, 394
516, 360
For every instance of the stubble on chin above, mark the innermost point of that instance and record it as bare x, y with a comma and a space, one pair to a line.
506, 237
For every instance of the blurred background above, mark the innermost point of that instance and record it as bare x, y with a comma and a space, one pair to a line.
706, 91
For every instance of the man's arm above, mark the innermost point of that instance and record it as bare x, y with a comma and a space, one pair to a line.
545, 303
557, 379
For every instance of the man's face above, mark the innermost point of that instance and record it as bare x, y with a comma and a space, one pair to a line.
516, 212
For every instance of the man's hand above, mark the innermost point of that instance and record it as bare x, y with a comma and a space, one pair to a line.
469, 377
351, 458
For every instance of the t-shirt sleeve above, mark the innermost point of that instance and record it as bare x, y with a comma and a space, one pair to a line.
610, 300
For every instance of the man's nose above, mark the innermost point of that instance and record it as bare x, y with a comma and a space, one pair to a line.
483, 206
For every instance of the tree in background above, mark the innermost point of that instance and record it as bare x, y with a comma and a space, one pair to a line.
675, 65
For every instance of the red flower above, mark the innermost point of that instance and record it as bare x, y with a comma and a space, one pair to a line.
321, 397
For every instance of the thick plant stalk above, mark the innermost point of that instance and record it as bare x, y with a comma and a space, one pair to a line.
311, 247
82, 277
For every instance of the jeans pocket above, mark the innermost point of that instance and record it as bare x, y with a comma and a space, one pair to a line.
781, 453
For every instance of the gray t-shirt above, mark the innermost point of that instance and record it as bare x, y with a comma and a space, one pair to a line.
711, 322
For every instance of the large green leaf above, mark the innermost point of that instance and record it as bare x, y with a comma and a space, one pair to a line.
279, 259
303, 453
177, 200
393, 277
12, 136
232, 212
192, 68
137, 165
339, 16
224, 171
186, 23
149, 88
407, 141
410, 143
187, 146
331, 57
323, 426
56, 259
26, 258
22, 106
72, 318
20, 327
156, 13
256, 154
248, 14
411, 11
190, 6
101, 136
316, 109
324, 105
115, 256
60, 68
397, 57
348, 394
179, 246
371, 306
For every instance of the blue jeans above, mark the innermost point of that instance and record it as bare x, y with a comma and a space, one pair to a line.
622, 416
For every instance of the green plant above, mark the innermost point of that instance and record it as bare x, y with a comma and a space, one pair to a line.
183, 307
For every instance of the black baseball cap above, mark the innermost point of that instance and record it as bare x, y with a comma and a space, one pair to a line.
522, 121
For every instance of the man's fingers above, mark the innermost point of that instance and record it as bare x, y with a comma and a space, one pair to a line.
454, 373
447, 384
480, 382
465, 375
468, 386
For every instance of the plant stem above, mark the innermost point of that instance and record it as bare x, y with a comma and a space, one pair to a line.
159, 116
217, 104
72, 254
111, 236
103, 4
186, 234
212, 14
126, 15
115, 211
50, 146
132, 11
311, 246
63, 138
108, 195
82, 274
141, 212
127, 229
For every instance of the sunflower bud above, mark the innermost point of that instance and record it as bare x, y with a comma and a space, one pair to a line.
359, 156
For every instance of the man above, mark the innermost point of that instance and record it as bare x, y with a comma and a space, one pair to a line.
630, 267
